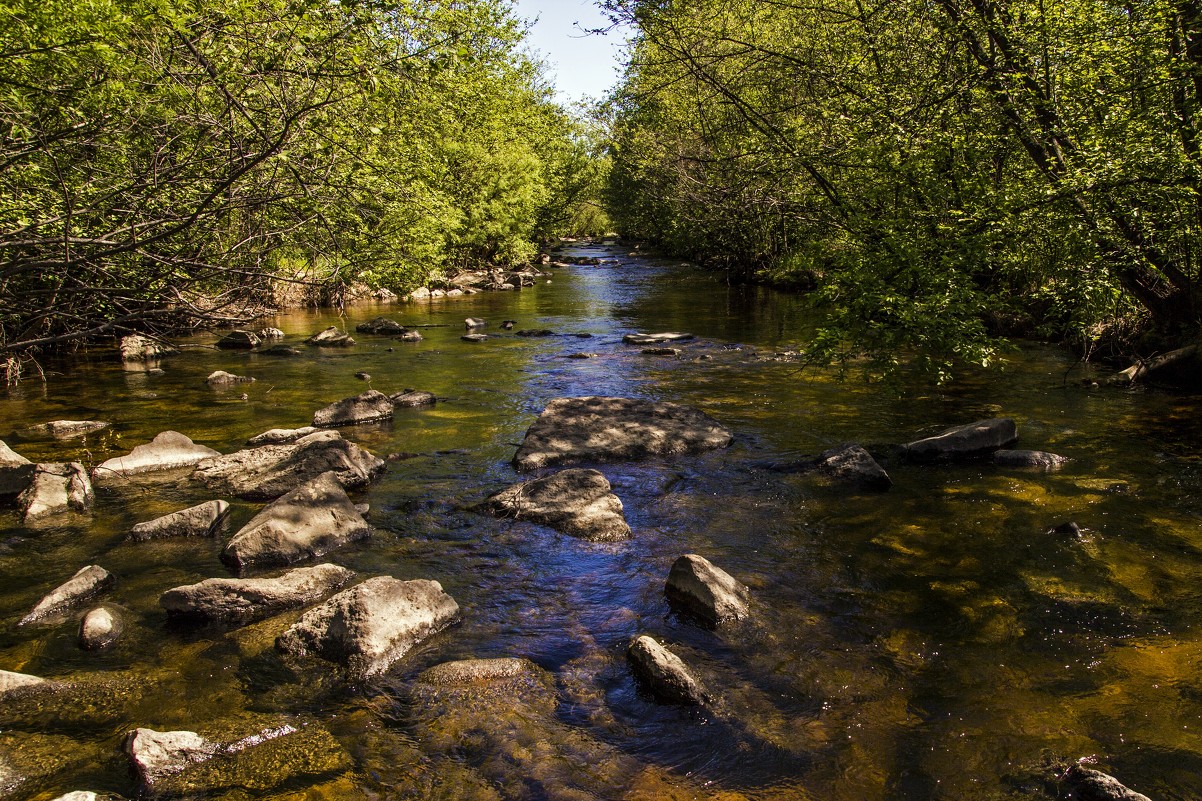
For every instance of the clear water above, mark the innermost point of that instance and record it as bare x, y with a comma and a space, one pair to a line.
933, 642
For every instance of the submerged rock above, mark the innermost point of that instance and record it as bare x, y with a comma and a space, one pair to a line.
16, 472
88, 582
56, 488
1085, 784
370, 626
280, 350
331, 337
280, 436
474, 337
380, 325
240, 340
11, 682
411, 398
99, 629
366, 407
537, 332
574, 430
158, 755
853, 464
703, 590
660, 351
202, 520
973, 439
64, 429
237, 602
220, 378
575, 501
311, 520
271, 470
663, 673
410, 336
167, 451
270, 333
656, 339
1039, 460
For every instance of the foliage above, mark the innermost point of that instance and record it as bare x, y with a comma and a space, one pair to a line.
925, 165
164, 164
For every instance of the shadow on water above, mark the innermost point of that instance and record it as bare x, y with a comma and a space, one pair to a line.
938, 641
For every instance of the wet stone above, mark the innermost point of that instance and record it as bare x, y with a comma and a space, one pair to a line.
474, 322
240, 340
538, 333
575, 501
12, 682
660, 351
412, 398
63, 429
57, 488
663, 673
330, 337
1086, 784
237, 602
705, 591
574, 430
380, 325
87, 583
370, 626
220, 378
16, 472
137, 348
367, 407
202, 520
99, 629
167, 451
410, 336
656, 339
853, 464
973, 439
308, 522
474, 337
1037, 460
281, 436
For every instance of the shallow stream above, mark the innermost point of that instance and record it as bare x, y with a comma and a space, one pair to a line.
931, 642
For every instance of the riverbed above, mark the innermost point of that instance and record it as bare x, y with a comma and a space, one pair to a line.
936, 641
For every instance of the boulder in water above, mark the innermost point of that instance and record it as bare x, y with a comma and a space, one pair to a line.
310, 521
271, 470
851, 463
138, 348
412, 397
57, 487
64, 429
202, 520
16, 472
575, 501
575, 430
705, 591
1037, 460
87, 583
380, 325
167, 451
656, 339
663, 673
280, 436
13, 682
973, 439
240, 340
99, 629
236, 602
330, 338
1086, 784
220, 378
370, 626
366, 407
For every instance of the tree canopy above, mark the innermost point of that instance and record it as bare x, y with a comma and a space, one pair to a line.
938, 172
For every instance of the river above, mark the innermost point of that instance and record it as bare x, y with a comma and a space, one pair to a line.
931, 642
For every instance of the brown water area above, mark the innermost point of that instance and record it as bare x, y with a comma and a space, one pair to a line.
936, 641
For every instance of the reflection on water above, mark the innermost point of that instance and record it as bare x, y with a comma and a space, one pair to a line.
937, 641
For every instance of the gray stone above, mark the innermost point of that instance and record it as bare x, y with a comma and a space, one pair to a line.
1085, 784
99, 629
219, 378
973, 439
268, 334
57, 488
311, 520
410, 336
137, 348
656, 339
370, 626
64, 429
384, 294
412, 397
660, 351
88, 582
16, 472
240, 340
202, 520
421, 293
477, 671
699, 588
663, 673
853, 464
380, 325
157, 755
10, 681
169, 450
331, 337
575, 501
79, 795
1039, 460
271, 470
474, 322
474, 337
574, 430
366, 407
236, 602
281, 436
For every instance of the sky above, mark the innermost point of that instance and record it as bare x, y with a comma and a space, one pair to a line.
580, 65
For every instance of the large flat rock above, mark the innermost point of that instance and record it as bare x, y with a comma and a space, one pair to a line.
575, 430
366, 407
202, 520
312, 520
370, 626
237, 602
168, 451
959, 442
270, 471
57, 487
575, 501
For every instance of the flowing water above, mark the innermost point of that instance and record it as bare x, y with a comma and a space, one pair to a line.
931, 642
